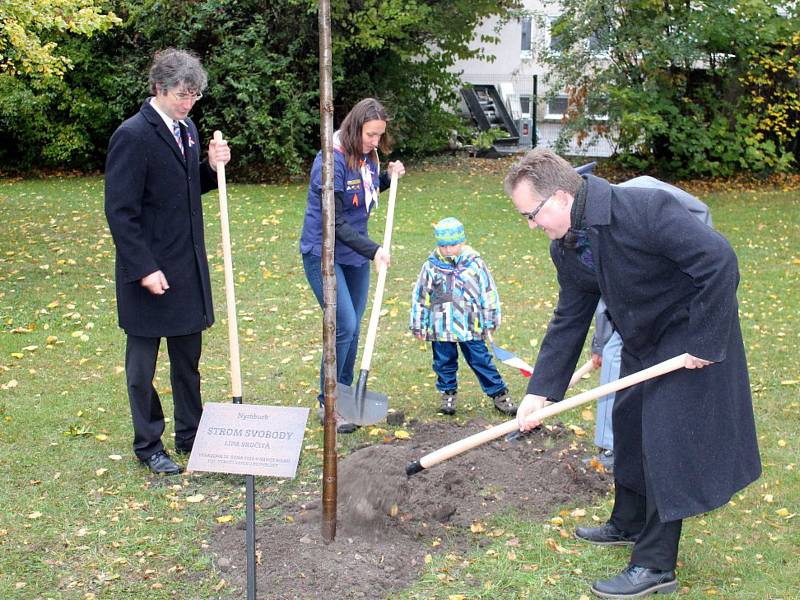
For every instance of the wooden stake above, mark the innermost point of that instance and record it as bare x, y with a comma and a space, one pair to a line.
329, 462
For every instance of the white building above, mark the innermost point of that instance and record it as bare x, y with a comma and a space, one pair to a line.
514, 69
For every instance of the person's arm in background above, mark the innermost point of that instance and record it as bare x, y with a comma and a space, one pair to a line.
603, 329
126, 172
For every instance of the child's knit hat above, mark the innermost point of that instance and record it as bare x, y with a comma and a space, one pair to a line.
449, 232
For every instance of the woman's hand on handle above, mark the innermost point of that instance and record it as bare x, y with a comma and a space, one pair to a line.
396, 166
381, 258
530, 404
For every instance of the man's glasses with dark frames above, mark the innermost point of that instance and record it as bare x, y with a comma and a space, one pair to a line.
532, 215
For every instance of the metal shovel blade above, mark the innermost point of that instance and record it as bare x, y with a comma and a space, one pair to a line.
369, 408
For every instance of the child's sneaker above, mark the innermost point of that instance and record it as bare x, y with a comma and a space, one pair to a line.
503, 403
448, 405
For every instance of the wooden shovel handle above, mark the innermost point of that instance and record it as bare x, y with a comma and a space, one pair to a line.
372, 331
577, 375
230, 293
447, 452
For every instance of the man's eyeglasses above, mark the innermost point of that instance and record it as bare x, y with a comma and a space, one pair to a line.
532, 215
183, 96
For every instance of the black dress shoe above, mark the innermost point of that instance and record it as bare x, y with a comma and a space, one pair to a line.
607, 535
161, 464
636, 582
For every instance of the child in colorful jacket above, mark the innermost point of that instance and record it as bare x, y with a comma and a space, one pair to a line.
454, 304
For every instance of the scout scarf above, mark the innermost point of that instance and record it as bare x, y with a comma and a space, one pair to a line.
370, 189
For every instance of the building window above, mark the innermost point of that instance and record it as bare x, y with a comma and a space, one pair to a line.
525, 106
554, 41
556, 107
525, 43
526, 39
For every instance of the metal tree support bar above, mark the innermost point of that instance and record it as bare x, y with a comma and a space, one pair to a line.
236, 374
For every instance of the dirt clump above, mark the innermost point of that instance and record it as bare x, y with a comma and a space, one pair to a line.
386, 521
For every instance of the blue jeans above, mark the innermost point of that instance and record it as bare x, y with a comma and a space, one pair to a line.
352, 289
609, 371
445, 365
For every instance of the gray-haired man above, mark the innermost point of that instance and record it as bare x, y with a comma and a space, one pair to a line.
154, 180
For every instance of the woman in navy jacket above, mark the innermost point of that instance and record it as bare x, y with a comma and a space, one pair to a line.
357, 180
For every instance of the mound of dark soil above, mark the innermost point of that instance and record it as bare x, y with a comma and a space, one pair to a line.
387, 522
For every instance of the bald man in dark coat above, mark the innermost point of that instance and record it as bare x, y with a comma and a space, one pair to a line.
685, 442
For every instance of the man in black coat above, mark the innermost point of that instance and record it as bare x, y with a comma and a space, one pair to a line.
685, 442
154, 180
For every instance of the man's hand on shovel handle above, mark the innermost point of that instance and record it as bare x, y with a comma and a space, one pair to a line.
692, 362
530, 404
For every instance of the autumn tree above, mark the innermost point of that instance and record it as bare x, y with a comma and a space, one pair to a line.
27, 28
262, 61
666, 80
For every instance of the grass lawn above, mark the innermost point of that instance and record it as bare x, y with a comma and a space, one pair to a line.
79, 518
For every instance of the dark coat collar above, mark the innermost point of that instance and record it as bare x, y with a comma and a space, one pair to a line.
152, 117
598, 201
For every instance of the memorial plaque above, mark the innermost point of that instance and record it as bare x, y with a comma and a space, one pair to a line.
249, 439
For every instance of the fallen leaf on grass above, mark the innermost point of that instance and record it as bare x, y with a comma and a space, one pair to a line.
555, 547
196, 498
402, 434
100, 472
596, 465
225, 519
78, 431
579, 431
476, 527
34, 515
114, 457
495, 533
